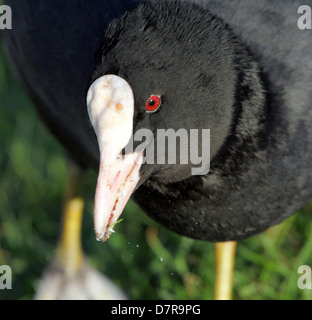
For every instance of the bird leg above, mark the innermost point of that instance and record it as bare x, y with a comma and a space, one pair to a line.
224, 261
69, 276
69, 251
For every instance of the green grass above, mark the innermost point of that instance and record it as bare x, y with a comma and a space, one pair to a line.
143, 258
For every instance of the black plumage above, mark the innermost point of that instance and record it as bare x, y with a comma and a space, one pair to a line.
242, 69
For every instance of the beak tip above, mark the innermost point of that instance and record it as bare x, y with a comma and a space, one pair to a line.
103, 236
110, 201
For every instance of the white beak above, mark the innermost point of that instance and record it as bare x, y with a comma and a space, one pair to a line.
111, 107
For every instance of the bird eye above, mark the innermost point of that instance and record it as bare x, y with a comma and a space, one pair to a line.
153, 104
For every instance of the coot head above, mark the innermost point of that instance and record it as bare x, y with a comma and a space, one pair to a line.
162, 66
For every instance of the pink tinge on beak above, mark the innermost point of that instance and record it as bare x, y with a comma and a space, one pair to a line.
111, 107
116, 182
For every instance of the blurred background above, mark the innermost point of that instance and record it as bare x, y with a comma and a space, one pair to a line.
142, 258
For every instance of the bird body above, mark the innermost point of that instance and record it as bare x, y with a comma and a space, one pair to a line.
261, 148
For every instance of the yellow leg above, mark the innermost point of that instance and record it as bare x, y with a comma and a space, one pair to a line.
69, 276
69, 251
225, 259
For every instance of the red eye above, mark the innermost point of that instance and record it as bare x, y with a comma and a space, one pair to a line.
153, 103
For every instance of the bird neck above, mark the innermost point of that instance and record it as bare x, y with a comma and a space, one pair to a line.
250, 112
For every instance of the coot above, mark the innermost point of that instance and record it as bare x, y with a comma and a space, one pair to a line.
241, 69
